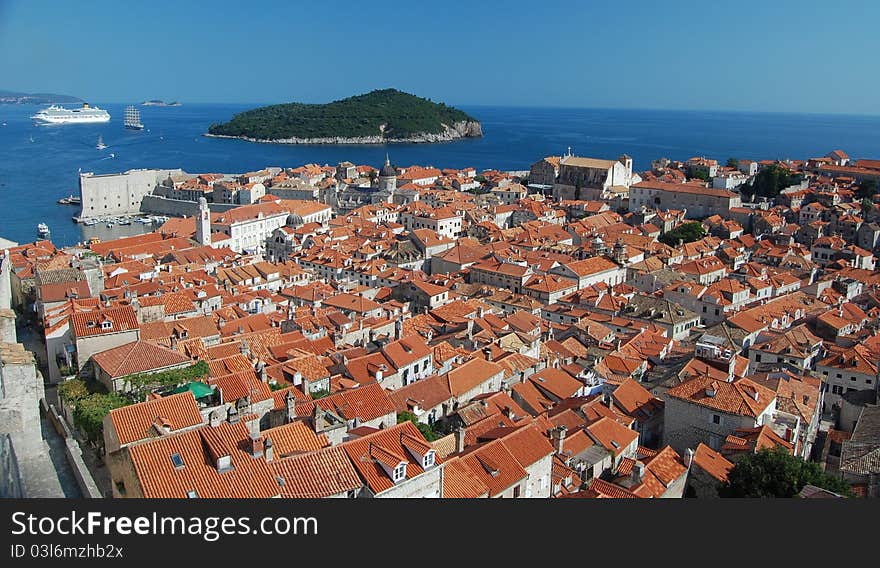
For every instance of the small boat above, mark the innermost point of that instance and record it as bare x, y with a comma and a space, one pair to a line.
109, 225
69, 200
100, 145
32, 138
125, 221
90, 222
43, 230
144, 220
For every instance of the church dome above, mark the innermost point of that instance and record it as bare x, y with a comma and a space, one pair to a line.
295, 220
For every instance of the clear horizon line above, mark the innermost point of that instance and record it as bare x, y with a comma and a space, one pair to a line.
559, 107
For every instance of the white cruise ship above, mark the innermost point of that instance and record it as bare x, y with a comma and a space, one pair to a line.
59, 115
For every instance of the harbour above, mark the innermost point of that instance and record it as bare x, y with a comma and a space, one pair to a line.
513, 139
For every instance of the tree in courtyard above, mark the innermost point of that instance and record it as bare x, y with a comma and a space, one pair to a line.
426, 429
867, 189
686, 232
732, 163
777, 473
773, 179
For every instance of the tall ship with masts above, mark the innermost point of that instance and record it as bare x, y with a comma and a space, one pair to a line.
133, 118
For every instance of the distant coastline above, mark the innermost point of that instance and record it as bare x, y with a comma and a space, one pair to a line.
160, 103
16, 98
459, 131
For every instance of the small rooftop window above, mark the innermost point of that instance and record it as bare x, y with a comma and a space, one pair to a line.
192, 494
177, 460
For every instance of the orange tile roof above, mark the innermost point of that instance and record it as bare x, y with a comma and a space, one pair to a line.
294, 438
470, 375
387, 446
317, 474
137, 357
87, 324
366, 402
159, 478
736, 397
494, 466
612, 435
712, 462
135, 422
459, 481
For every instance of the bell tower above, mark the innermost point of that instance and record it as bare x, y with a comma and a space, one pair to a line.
203, 223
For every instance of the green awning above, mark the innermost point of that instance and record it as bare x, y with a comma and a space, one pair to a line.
199, 390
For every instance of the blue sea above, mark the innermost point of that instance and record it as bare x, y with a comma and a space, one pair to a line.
39, 164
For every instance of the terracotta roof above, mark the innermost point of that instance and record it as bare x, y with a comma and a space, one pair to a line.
104, 321
459, 481
366, 402
135, 422
385, 446
712, 462
494, 466
470, 375
294, 438
425, 393
160, 478
612, 435
317, 474
137, 357
738, 397
599, 488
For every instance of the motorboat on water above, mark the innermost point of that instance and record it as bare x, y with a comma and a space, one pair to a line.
43, 230
90, 222
100, 145
70, 200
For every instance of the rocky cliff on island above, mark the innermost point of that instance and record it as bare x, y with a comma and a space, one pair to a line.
378, 117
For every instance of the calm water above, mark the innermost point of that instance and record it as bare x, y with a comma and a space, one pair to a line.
39, 164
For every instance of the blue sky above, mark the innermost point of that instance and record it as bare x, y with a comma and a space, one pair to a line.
772, 55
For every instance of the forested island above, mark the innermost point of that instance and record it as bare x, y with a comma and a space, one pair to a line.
376, 117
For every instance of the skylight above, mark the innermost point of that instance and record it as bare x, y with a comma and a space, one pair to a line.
177, 460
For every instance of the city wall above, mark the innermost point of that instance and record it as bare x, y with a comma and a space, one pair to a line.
118, 194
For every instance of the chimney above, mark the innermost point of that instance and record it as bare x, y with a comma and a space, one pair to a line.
290, 401
297, 378
232, 415
268, 451
215, 419
459, 440
638, 473
256, 444
487, 351
688, 457
557, 435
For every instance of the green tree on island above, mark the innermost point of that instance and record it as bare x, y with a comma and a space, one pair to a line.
686, 232
776, 473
